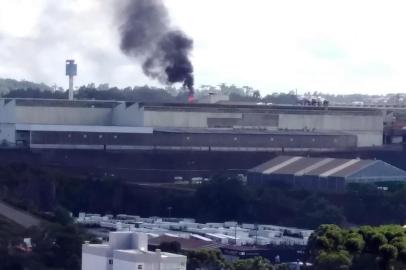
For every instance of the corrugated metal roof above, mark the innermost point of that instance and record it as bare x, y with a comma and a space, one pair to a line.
298, 166
347, 164
313, 166
320, 167
77, 128
269, 164
354, 168
335, 162
282, 165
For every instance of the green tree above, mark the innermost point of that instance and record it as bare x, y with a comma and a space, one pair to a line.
387, 253
206, 260
63, 216
333, 261
257, 263
369, 248
354, 243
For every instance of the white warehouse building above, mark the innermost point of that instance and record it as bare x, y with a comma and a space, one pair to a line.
93, 124
128, 251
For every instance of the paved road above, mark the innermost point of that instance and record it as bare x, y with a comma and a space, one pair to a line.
18, 216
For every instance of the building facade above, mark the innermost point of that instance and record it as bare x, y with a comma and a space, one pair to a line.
128, 251
215, 127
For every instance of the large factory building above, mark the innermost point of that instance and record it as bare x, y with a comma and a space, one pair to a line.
115, 125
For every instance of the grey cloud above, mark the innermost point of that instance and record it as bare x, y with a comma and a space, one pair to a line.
62, 34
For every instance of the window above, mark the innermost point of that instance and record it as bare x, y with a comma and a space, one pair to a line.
110, 261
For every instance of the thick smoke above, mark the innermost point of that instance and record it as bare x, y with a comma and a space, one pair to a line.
146, 34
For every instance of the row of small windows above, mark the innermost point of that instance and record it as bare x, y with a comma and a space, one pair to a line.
100, 136
188, 138
271, 139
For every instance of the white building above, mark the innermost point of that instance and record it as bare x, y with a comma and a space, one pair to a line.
128, 251
116, 125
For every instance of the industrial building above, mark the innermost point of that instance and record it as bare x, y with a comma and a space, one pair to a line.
115, 125
128, 250
328, 174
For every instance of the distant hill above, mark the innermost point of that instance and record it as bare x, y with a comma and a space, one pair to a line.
7, 85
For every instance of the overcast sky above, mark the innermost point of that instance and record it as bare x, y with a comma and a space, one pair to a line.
339, 46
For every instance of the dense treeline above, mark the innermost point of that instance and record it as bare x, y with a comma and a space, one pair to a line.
229, 199
56, 245
153, 94
27, 89
218, 200
333, 248
7, 85
212, 260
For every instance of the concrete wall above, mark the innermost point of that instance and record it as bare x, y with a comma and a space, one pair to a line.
125, 265
120, 240
92, 262
129, 265
150, 261
206, 119
368, 128
366, 139
8, 133
131, 116
183, 119
331, 122
7, 111
63, 115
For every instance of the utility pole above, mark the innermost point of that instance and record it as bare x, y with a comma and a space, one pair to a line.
170, 211
235, 233
256, 234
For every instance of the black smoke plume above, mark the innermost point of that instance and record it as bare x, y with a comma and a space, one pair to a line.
147, 35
